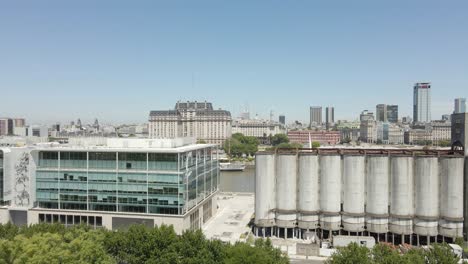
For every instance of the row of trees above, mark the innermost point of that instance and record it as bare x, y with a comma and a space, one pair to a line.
239, 144
45, 243
384, 254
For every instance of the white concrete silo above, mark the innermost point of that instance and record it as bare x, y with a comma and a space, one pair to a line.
354, 182
286, 190
265, 185
308, 196
426, 196
451, 196
330, 192
377, 193
401, 195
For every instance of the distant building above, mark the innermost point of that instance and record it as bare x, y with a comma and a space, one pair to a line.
349, 134
381, 112
446, 117
6, 126
260, 129
191, 119
19, 122
422, 103
366, 115
406, 120
37, 131
329, 116
368, 131
460, 130
282, 120
392, 113
315, 115
323, 137
418, 136
460, 105
441, 131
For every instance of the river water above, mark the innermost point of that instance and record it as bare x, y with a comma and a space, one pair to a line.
238, 181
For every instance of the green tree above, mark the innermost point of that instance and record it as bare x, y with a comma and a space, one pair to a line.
279, 139
315, 144
440, 253
239, 144
383, 254
353, 253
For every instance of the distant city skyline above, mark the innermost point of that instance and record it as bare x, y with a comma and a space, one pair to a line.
116, 61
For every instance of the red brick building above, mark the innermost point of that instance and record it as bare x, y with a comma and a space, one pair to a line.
323, 137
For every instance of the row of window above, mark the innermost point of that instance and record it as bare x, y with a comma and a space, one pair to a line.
127, 208
69, 220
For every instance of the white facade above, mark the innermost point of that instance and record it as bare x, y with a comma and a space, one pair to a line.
368, 131
257, 128
191, 119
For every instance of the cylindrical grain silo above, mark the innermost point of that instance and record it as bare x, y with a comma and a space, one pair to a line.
378, 191
265, 194
426, 196
354, 182
451, 196
401, 196
286, 190
308, 181
330, 192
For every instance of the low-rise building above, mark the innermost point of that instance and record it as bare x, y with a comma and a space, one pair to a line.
261, 129
418, 136
441, 131
323, 137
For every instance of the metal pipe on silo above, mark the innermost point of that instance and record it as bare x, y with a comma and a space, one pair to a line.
426, 196
265, 185
401, 196
451, 196
354, 179
377, 190
286, 190
308, 196
330, 192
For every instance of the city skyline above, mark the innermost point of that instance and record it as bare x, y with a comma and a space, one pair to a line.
137, 59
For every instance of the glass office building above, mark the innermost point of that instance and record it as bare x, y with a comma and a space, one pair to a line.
144, 180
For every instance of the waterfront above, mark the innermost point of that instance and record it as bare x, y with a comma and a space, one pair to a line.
238, 181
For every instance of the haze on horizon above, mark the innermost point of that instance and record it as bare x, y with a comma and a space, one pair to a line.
117, 60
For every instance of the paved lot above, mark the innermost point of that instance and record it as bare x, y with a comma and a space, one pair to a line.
230, 222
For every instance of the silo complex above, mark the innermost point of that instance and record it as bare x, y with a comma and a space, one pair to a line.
265, 190
451, 197
354, 180
401, 203
286, 182
378, 190
426, 196
308, 200
330, 192
402, 196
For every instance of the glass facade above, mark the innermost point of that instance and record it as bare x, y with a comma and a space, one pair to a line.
136, 182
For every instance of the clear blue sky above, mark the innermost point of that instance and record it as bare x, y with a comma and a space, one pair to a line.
117, 60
